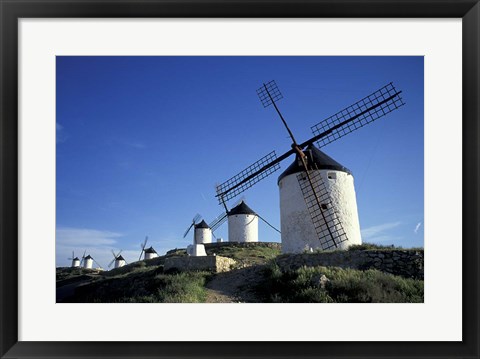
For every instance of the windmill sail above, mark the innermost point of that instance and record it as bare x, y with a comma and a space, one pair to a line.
217, 222
194, 220
269, 93
327, 225
361, 113
142, 246
254, 173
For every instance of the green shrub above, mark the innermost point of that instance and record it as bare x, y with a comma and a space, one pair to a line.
306, 285
188, 287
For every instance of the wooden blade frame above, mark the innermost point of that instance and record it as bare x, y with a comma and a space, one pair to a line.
367, 110
254, 173
194, 220
217, 222
327, 225
354, 117
269, 93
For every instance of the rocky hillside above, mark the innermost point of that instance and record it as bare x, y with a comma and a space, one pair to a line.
260, 274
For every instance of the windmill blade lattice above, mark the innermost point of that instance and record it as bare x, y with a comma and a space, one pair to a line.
269, 93
328, 227
361, 113
217, 222
254, 173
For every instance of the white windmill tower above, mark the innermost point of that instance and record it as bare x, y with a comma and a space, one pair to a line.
202, 234
88, 262
335, 187
242, 223
317, 197
150, 253
118, 259
75, 261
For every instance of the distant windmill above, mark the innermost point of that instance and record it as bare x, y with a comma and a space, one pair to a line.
242, 223
88, 262
118, 259
318, 207
202, 233
75, 260
149, 252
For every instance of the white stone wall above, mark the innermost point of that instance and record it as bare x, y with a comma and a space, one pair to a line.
243, 228
202, 235
76, 263
119, 263
199, 250
298, 232
88, 263
151, 255
196, 250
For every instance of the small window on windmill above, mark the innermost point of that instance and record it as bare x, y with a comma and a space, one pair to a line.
332, 175
303, 176
324, 206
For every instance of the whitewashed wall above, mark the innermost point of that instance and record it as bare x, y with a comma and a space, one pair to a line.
88, 263
119, 263
151, 255
298, 232
243, 228
202, 235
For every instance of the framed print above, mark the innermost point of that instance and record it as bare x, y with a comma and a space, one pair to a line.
121, 120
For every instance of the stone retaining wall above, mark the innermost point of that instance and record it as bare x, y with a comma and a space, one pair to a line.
407, 263
244, 245
214, 264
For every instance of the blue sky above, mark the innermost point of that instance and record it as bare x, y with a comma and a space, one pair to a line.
142, 141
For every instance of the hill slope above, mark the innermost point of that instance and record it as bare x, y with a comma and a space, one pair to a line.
256, 278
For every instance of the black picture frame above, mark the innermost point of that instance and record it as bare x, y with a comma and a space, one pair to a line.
12, 10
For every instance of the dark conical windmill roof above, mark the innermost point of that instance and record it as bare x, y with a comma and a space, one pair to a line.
202, 224
150, 250
76, 259
319, 160
120, 258
242, 208
89, 257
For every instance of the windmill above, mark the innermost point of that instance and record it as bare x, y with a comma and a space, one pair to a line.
317, 197
75, 260
88, 262
150, 253
202, 233
242, 223
118, 259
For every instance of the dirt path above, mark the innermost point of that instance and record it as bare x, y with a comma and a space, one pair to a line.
234, 286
